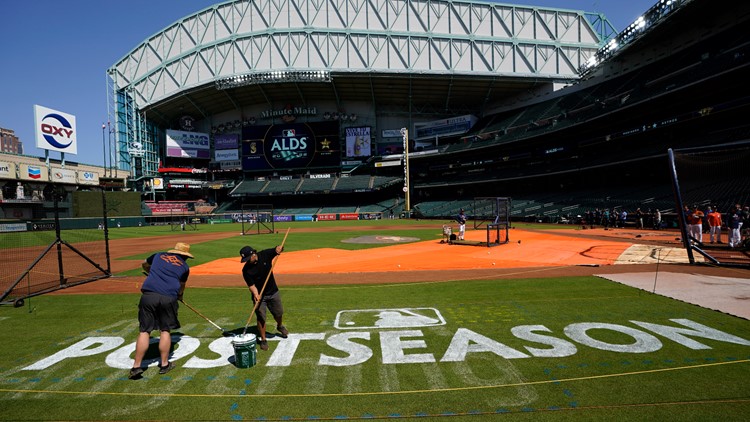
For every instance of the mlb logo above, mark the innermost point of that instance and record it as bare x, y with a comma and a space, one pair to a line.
388, 318
288, 133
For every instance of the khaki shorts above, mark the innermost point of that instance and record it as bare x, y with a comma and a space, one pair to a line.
273, 304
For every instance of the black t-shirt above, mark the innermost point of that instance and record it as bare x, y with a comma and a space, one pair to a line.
256, 274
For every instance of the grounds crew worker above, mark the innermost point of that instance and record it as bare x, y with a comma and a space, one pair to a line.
256, 271
166, 275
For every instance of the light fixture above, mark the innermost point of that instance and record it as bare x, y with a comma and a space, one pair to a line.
273, 77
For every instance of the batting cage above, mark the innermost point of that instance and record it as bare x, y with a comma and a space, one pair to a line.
257, 219
493, 213
184, 222
43, 255
711, 192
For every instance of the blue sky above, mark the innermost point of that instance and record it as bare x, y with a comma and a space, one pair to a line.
55, 54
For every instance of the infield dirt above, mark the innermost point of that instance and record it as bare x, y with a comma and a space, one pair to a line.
529, 254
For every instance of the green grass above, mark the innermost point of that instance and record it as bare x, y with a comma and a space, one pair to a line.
670, 382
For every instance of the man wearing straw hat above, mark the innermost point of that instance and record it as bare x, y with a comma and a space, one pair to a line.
166, 275
258, 274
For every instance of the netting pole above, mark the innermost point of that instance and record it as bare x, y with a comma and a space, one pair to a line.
58, 240
106, 231
679, 207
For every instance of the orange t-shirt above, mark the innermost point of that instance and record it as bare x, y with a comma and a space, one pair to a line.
695, 217
714, 218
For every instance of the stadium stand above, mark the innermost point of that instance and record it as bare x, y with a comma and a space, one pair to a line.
353, 183
248, 187
316, 185
287, 186
607, 133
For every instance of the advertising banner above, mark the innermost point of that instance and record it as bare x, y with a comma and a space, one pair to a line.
33, 172
391, 133
55, 130
326, 217
7, 170
226, 141
230, 165
349, 216
227, 155
358, 142
291, 146
187, 144
444, 127
391, 163
88, 178
58, 175
12, 227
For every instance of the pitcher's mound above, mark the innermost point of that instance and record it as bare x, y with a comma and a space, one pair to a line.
380, 239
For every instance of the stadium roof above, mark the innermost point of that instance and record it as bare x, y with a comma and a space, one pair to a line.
446, 57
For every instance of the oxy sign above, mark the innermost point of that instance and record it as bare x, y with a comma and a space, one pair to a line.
406, 344
55, 130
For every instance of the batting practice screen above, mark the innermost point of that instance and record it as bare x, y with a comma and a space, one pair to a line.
493, 213
45, 255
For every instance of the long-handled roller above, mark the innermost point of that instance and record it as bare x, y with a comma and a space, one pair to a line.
223, 331
273, 264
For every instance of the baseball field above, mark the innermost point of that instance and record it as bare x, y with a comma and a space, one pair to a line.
387, 322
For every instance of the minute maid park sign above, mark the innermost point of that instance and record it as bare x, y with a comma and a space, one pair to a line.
400, 334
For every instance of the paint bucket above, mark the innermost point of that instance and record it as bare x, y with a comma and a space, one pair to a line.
244, 350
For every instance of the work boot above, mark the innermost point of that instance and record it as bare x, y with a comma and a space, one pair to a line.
283, 331
264, 345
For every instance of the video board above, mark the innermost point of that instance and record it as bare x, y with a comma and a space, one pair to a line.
291, 146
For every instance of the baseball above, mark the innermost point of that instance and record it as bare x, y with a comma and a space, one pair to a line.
399, 265
493, 263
